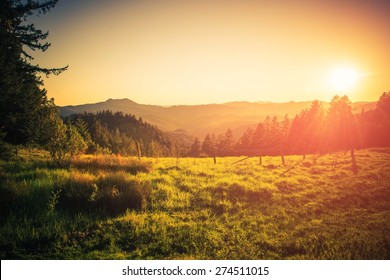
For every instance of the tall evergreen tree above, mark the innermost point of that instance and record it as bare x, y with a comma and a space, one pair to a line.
20, 85
307, 130
226, 143
283, 134
244, 144
208, 146
341, 126
82, 128
296, 137
259, 139
375, 125
195, 148
383, 105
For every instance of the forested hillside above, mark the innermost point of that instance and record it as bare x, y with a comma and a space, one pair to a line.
124, 134
198, 120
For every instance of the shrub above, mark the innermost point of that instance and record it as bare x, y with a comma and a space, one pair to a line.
111, 163
77, 192
111, 194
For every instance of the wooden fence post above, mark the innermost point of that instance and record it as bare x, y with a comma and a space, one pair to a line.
138, 150
354, 165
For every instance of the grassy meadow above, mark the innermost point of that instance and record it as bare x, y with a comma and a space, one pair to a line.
109, 207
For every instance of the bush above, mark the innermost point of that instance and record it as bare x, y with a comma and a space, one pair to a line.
111, 163
111, 194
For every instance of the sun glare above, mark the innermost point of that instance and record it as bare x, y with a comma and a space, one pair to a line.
344, 79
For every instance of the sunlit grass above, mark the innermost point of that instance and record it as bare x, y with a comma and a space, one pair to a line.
110, 207
110, 163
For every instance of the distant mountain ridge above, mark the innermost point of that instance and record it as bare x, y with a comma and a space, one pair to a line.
199, 120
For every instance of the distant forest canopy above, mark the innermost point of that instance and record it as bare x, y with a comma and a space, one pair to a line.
124, 134
314, 130
198, 120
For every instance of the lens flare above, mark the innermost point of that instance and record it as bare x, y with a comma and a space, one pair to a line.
344, 79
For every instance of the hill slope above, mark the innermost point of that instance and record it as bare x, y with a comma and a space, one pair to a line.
202, 119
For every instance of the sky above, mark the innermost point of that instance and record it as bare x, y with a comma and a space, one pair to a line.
171, 52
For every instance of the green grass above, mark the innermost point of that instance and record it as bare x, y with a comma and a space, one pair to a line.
111, 207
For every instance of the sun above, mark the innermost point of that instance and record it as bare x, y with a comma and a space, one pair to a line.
344, 79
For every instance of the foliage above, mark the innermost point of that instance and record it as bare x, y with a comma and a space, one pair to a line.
111, 193
110, 163
341, 125
51, 132
225, 144
82, 129
307, 133
374, 126
54, 135
195, 148
313, 130
75, 141
20, 84
119, 134
209, 146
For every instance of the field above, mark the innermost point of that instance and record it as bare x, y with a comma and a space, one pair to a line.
108, 207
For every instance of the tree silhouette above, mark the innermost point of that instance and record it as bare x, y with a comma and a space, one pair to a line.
283, 136
195, 148
307, 131
20, 85
260, 138
209, 145
375, 125
314, 127
383, 105
341, 127
383, 124
225, 144
296, 137
244, 144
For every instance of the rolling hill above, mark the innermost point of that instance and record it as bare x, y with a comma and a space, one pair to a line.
199, 120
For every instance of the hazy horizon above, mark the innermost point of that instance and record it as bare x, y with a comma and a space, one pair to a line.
201, 52
200, 104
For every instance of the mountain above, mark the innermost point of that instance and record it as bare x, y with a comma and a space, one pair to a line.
199, 120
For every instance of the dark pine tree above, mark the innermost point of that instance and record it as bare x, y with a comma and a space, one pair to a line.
20, 85
195, 148
342, 133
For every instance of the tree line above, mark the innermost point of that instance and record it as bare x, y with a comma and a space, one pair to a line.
123, 134
313, 130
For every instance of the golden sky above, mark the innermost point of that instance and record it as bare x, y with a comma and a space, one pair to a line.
196, 52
